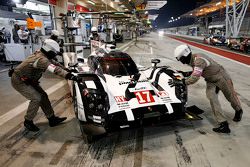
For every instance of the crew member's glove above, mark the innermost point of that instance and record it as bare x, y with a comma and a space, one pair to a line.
70, 76
176, 82
71, 70
186, 74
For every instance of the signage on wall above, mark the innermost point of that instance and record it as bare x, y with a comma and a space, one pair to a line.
71, 6
52, 2
155, 5
31, 24
80, 8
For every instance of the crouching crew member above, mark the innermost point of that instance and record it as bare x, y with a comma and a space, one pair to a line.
216, 78
25, 79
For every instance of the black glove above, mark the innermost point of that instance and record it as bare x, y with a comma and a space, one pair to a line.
71, 70
176, 82
70, 76
186, 74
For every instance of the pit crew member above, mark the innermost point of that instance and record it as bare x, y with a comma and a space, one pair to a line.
216, 78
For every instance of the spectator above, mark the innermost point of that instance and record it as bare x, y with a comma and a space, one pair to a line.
23, 35
7, 34
14, 33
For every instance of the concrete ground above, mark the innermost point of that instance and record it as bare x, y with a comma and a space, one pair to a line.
179, 144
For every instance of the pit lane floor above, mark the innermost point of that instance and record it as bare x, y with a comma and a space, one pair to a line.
179, 144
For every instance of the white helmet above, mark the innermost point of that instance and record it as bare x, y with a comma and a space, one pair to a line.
50, 48
55, 33
93, 29
182, 50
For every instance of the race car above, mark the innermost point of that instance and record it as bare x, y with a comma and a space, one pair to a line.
214, 40
245, 45
234, 43
115, 94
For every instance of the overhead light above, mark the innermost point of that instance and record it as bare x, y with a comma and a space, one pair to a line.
191, 14
201, 10
16, 1
146, 12
172, 18
218, 3
91, 2
179, 18
119, 13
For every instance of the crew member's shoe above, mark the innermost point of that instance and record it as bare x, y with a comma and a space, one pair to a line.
223, 128
238, 116
30, 126
54, 121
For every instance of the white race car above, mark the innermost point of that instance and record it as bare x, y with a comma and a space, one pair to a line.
114, 94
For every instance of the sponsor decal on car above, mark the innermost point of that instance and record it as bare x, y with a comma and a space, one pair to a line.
144, 97
164, 96
131, 82
137, 89
122, 102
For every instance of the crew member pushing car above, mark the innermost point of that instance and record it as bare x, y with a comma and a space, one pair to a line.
25, 79
216, 78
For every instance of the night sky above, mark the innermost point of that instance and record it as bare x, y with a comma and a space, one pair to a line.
174, 8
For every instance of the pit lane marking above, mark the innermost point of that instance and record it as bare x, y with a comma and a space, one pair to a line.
61, 152
126, 45
125, 49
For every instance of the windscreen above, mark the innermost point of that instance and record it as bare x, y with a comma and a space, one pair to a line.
118, 66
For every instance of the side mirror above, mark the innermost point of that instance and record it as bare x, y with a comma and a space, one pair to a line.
154, 62
81, 60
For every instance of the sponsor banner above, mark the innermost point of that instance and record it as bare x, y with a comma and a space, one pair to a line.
80, 8
52, 2
151, 5
71, 6
152, 17
140, 7
31, 24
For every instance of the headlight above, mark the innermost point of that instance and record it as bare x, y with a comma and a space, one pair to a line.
161, 33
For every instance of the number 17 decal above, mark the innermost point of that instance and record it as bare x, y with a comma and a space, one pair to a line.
144, 97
